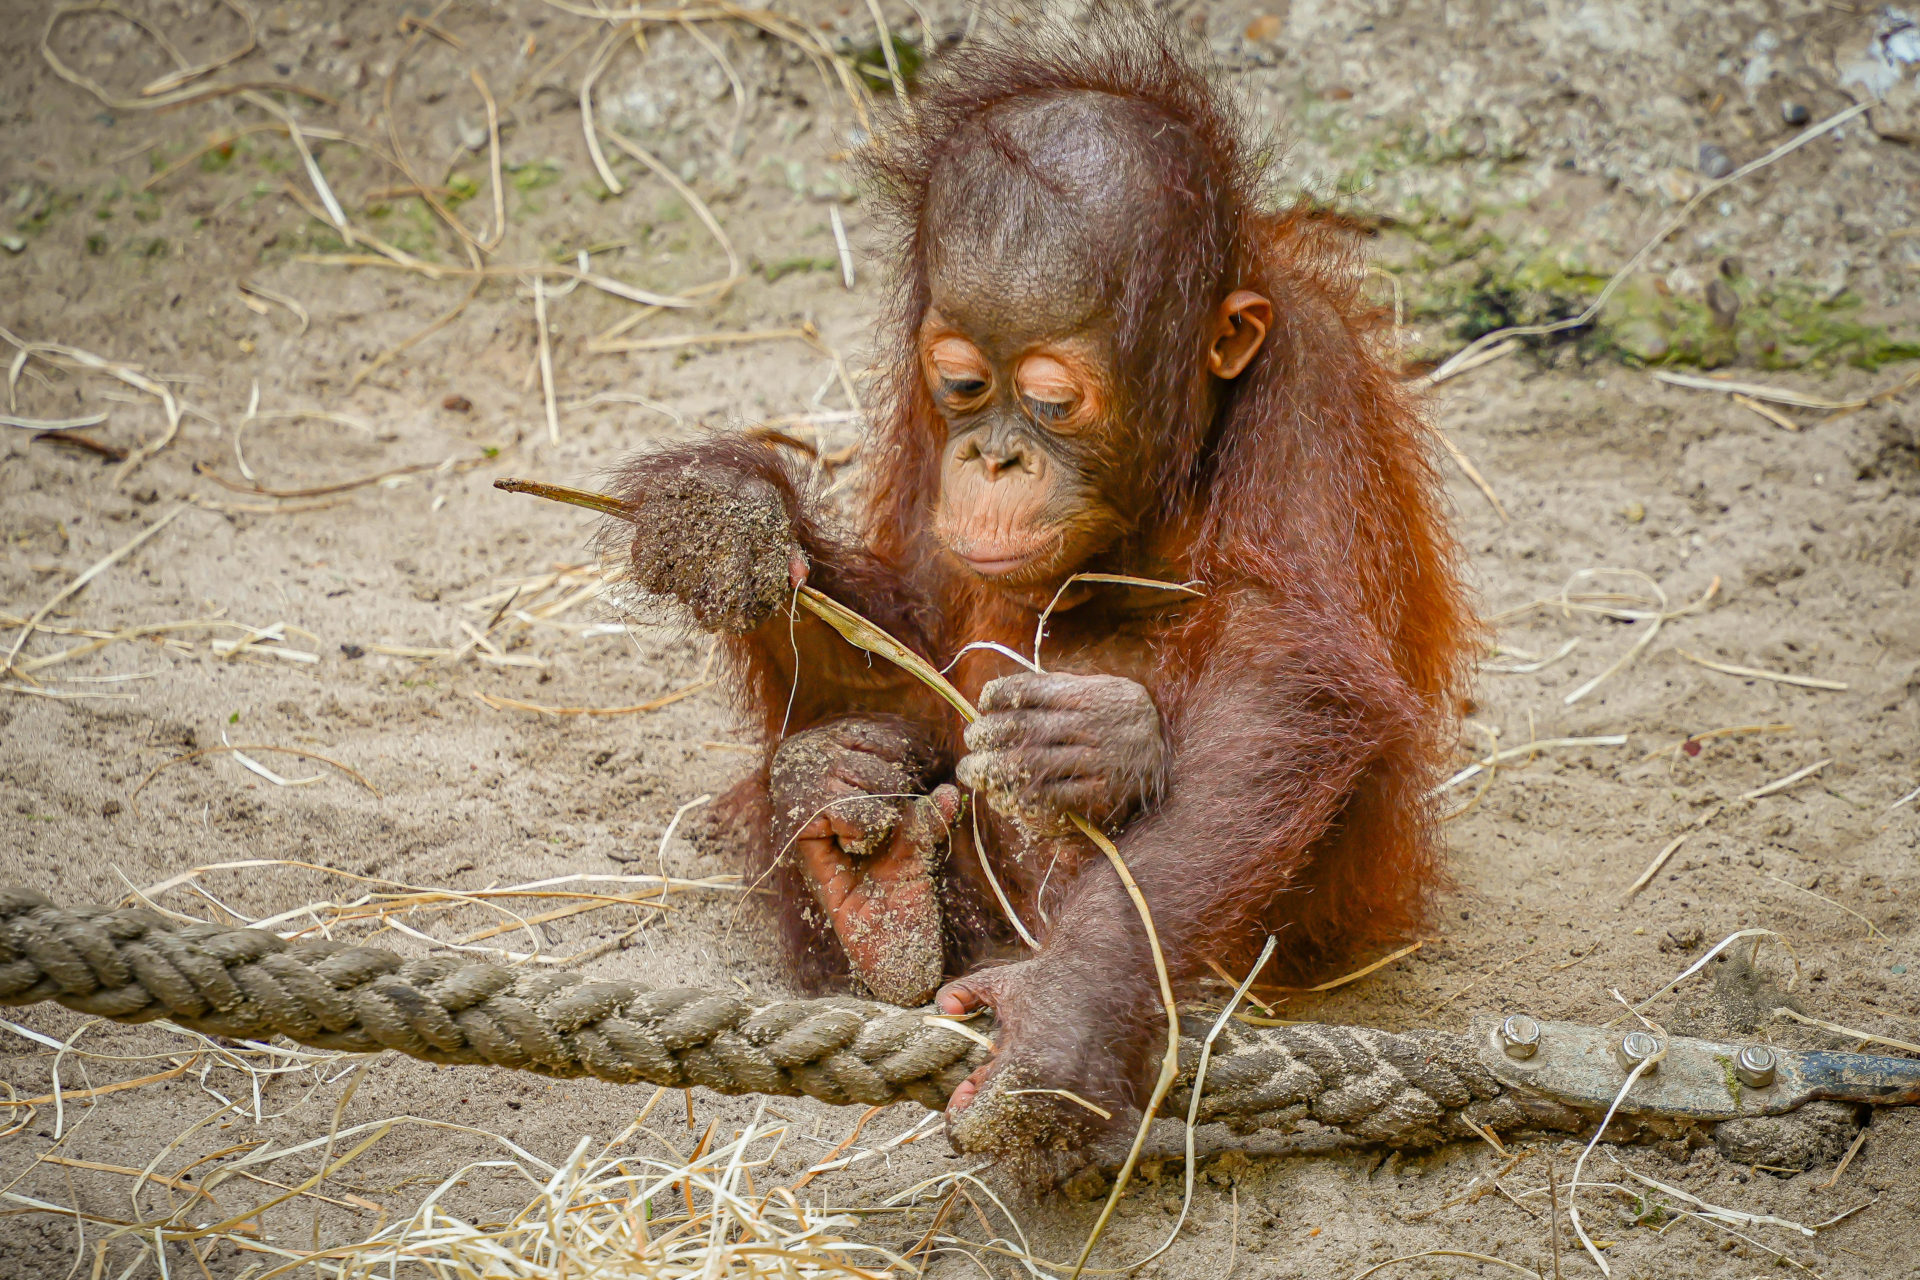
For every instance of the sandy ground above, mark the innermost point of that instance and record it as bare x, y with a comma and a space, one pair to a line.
1578, 125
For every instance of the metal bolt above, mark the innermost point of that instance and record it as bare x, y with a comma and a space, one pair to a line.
1756, 1065
1519, 1036
1636, 1047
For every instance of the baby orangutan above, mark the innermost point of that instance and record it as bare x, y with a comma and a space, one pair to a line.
1108, 357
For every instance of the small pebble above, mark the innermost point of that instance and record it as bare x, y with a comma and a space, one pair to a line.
1899, 968
1795, 112
1723, 302
1265, 26
457, 404
1644, 339
1714, 160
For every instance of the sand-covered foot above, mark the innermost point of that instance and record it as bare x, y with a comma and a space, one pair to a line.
885, 909
872, 845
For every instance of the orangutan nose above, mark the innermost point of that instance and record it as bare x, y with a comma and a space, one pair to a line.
1001, 453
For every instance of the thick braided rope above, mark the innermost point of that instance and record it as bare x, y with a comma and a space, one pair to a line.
1412, 1089
134, 966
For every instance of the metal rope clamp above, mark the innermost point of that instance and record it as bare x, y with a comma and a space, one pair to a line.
1704, 1080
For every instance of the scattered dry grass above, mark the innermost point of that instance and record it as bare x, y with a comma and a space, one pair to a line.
79, 582
639, 708
1756, 391
609, 1209
1873, 930
612, 1209
475, 915
612, 1212
1861, 1038
1691, 744
1754, 673
1781, 784
1673, 846
230, 749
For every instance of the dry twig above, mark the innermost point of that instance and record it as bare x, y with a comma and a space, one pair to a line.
1660, 859
1754, 673
229, 749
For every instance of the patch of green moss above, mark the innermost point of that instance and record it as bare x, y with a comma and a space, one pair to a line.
1415, 146
1470, 284
1648, 1212
534, 175
1787, 326
410, 226
40, 205
1827, 331
872, 60
1732, 1078
774, 271
1466, 282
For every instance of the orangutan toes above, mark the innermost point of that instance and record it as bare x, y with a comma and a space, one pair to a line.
849, 798
1017, 1110
889, 922
885, 908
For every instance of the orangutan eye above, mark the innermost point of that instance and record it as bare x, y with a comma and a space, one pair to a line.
957, 371
1050, 389
1048, 410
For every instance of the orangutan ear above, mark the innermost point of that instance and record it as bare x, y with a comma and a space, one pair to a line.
1238, 331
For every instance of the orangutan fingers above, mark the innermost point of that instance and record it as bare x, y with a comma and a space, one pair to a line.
1018, 771
719, 540
1091, 796
1034, 690
1038, 789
